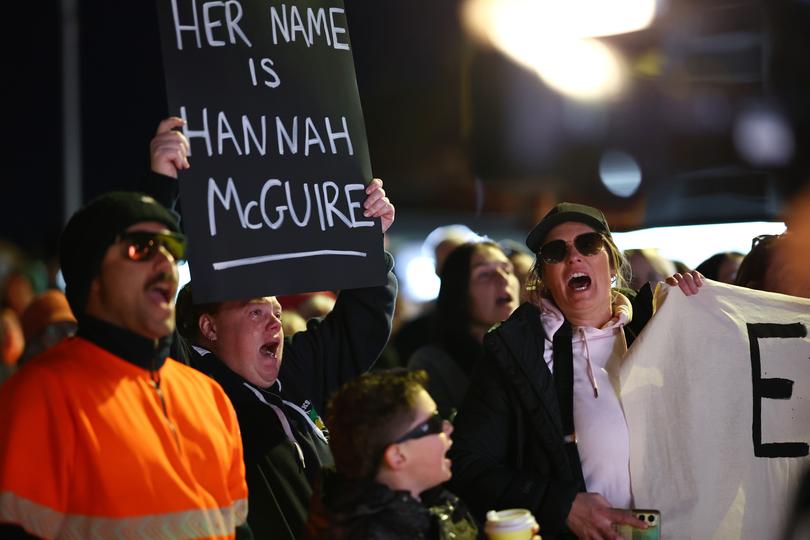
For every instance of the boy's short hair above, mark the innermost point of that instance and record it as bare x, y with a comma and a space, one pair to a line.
367, 414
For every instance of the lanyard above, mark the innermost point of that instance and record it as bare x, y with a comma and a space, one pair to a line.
285, 424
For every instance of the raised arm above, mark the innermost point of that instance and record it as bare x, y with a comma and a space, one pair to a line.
351, 337
168, 154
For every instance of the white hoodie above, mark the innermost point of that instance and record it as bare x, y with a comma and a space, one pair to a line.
601, 429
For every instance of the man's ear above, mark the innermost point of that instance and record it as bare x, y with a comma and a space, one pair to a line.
91, 301
394, 458
208, 327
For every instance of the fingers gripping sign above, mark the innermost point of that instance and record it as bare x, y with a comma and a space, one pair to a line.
169, 148
689, 282
378, 205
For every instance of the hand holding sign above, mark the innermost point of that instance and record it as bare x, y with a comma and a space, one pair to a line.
689, 282
378, 205
169, 148
266, 99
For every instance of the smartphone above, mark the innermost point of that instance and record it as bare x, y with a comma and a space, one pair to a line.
650, 517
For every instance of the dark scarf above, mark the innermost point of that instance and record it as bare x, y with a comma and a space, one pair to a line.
135, 349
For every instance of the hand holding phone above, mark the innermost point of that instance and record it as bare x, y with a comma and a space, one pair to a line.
651, 517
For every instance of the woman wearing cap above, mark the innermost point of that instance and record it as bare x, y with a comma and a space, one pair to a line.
558, 444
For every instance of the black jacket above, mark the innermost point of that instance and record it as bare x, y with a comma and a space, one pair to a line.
316, 362
366, 510
508, 449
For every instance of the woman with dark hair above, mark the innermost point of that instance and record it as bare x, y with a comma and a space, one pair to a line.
721, 267
542, 426
478, 290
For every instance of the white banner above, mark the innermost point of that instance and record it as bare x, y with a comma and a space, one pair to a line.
716, 391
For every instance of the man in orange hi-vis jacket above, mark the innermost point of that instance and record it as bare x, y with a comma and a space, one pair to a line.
104, 436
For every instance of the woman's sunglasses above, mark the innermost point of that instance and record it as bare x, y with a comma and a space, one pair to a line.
141, 246
587, 244
432, 426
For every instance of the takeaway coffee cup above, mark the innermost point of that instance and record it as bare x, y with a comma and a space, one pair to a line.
511, 524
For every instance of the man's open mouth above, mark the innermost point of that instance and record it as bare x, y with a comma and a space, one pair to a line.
270, 349
161, 293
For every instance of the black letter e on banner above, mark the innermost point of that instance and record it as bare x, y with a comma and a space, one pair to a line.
771, 388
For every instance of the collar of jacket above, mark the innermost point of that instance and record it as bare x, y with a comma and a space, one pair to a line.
135, 349
349, 499
517, 343
552, 317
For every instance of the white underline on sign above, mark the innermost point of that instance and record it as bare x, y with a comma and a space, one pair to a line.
247, 261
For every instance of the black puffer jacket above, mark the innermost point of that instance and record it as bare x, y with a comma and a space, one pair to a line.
366, 510
508, 449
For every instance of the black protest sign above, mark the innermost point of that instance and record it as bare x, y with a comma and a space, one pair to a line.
272, 202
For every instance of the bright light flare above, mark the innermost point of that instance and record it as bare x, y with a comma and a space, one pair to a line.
553, 39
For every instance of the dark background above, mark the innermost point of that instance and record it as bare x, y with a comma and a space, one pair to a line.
439, 114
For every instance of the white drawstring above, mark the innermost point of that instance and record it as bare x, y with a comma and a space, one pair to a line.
282, 418
588, 360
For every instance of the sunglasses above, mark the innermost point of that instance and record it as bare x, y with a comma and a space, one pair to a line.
587, 244
141, 246
432, 426
765, 240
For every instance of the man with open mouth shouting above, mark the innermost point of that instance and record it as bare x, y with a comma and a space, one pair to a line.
279, 385
103, 435
542, 426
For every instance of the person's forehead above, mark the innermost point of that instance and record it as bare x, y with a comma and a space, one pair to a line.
567, 230
148, 226
424, 407
262, 301
236, 305
488, 255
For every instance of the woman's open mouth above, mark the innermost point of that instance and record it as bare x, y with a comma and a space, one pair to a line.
579, 281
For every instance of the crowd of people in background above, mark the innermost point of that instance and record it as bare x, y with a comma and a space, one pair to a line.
280, 418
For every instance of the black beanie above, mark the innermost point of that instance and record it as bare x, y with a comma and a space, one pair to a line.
93, 229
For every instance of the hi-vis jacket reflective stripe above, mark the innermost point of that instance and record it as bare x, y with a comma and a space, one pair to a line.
88, 450
200, 523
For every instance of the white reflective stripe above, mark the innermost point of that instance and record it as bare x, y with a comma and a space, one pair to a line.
198, 523
35, 518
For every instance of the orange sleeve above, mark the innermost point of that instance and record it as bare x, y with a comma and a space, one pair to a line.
36, 450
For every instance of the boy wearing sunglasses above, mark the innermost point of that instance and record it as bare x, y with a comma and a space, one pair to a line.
389, 445
103, 434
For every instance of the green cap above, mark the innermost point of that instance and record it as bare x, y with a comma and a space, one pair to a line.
566, 211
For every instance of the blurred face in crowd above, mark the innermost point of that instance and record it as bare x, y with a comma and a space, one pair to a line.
643, 271
427, 464
727, 271
248, 337
579, 284
787, 269
136, 295
522, 262
494, 288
